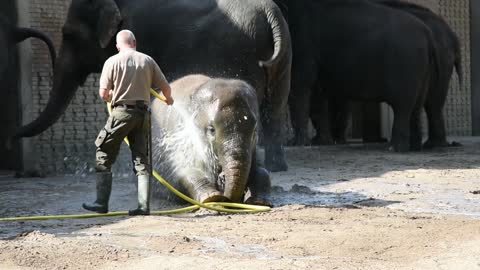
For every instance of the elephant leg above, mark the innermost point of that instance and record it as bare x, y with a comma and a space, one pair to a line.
415, 131
320, 113
259, 185
199, 188
401, 130
436, 124
340, 120
274, 115
275, 159
300, 112
371, 124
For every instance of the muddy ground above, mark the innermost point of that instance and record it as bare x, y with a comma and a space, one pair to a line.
338, 207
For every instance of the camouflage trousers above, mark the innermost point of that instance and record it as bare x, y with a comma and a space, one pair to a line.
131, 123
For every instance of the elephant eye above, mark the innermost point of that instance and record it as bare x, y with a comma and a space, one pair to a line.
210, 130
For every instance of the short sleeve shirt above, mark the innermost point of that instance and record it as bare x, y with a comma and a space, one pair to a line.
131, 74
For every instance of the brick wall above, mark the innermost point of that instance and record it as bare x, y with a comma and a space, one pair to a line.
68, 146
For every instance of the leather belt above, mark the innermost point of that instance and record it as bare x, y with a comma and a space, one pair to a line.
128, 106
124, 106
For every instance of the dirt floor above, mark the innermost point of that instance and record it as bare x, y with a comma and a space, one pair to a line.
338, 207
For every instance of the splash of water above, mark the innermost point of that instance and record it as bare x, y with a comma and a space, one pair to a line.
185, 146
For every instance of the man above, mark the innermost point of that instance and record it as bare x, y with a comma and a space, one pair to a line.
125, 82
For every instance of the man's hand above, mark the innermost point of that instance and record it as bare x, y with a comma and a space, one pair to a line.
169, 100
106, 95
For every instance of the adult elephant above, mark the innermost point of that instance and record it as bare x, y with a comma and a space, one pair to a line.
10, 35
206, 143
246, 39
358, 50
448, 50
449, 57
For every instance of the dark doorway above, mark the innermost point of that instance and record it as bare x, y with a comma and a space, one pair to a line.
10, 159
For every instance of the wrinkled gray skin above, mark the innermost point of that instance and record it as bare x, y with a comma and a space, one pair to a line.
246, 39
212, 158
10, 35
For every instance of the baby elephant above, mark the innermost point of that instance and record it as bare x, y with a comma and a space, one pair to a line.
205, 144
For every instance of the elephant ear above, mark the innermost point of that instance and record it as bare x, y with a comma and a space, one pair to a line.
108, 22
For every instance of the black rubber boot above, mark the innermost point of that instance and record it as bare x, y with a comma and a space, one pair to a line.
143, 197
104, 188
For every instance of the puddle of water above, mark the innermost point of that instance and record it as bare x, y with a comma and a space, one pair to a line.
299, 194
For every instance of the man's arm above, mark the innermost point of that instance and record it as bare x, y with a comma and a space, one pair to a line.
159, 80
105, 94
106, 83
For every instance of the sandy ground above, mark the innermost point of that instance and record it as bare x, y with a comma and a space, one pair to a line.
338, 207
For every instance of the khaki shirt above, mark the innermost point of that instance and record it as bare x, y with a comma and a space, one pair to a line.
131, 74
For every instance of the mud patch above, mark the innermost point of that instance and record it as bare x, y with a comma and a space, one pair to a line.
300, 194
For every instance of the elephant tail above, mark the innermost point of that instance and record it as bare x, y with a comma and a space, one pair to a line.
282, 53
21, 33
434, 62
458, 61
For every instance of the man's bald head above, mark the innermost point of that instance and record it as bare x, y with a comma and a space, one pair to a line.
126, 40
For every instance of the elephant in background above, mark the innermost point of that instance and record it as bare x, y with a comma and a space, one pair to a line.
449, 57
206, 142
10, 35
359, 50
448, 49
246, 39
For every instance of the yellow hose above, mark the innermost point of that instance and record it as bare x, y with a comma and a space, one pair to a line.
215, 206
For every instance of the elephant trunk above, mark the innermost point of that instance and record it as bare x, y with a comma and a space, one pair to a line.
66, 80
236, 171
20, 34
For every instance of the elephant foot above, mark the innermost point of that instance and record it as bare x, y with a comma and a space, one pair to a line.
399, 147
215, 196
341, 141
259, 200
455, 144
322, 140
430, 143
